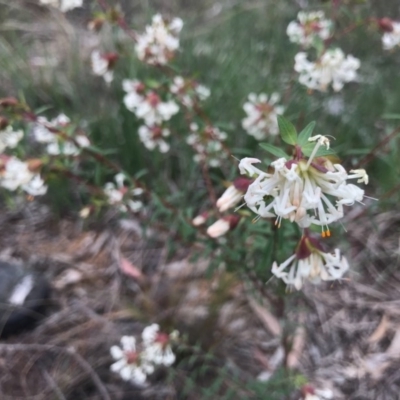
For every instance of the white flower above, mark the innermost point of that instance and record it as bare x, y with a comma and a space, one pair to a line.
157, 347
310, 263
63, 5
35, 187
10, 138
207, 144
310, 393
392, 39
16, 174
332, 68
311, 26
160, 41
153, 137
57, 145
147, 105
302, 190
118, 194
41, 129
131, 365
188, 91
100, 66
262, 115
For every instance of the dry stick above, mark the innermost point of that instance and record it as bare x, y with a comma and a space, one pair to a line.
53, 384
372, 154
71, 351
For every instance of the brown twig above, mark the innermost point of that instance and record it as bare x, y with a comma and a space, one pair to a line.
71, 351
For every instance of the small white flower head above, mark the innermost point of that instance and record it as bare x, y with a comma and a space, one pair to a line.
35, 187
311, 26
42, 128
102, 65
207, 144
45, 132
305, 190
310, 393
391, 36
120, 195
153, 137
17, 175
262, 112
188, 92
157, 345
233, 194
130, 364
10, 138
147, 104
160, 41
223, 226
63, 5
310, 263
332, 68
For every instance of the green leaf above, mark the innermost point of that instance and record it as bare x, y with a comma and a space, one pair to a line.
276, 151
305, 134
322, 151
287, 130
391, 116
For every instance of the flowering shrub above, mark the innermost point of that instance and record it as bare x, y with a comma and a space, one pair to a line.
271, 212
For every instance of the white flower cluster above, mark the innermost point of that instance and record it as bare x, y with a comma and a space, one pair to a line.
306, 191
63, 5
391, 39
147, 105
160, 41
301, 190
10, 138
134, 363
101, 65
56, 144
310, 26
118, 194
15, 174
262, 113
188, 92
207, 143
317, 266
153, 137
332, 68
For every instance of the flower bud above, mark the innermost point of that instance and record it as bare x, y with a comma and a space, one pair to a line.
233, 194
223, 225
385, 24
8, 102
34, 164
3, 122
200, 219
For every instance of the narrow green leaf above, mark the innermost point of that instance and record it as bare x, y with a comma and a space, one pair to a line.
305, 134
391, 116
322, 151
276, 151
287, 130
